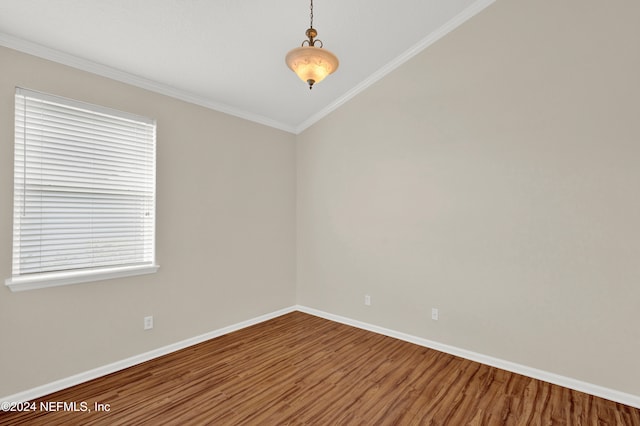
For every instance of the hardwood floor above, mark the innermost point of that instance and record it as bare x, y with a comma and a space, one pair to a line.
298, 369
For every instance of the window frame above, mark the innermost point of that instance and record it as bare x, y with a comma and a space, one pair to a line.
35, 280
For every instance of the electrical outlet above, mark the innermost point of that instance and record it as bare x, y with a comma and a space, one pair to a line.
434, 314
367, 300
148, 323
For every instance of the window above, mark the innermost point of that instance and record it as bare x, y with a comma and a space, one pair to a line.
84, 192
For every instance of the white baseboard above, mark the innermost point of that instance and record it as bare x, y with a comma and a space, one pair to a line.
77, 379
567, 382
599, 391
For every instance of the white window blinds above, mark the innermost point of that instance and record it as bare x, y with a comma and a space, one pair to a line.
84, 190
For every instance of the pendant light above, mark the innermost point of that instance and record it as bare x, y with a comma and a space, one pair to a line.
312, 63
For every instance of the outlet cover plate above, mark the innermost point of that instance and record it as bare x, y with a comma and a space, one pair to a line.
148, 323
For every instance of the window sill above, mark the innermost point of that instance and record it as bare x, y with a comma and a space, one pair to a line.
64, 278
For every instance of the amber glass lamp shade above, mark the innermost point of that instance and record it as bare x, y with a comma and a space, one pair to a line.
312, 64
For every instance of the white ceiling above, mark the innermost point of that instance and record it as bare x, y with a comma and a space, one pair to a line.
229, 54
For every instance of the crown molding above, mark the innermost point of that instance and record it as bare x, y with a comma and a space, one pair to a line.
475, 8
63, 58
144, 83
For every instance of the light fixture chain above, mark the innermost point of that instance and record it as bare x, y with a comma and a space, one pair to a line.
311, 15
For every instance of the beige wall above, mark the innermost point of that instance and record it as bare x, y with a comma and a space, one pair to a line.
496, 177
225, 236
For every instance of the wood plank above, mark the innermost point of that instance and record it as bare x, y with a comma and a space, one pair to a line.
299, 369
